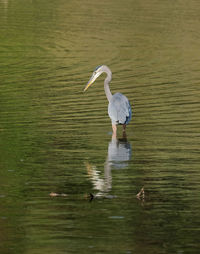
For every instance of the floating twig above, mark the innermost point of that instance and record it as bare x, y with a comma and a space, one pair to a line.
54, 194
141, 194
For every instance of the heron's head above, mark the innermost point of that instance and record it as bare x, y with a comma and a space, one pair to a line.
97, 72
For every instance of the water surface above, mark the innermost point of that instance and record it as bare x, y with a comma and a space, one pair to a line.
56, 139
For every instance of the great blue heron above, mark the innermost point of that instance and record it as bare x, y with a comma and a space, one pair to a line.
119, 108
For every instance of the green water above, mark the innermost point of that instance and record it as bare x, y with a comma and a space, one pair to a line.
56, 139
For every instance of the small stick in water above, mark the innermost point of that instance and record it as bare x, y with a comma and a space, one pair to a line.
141, 194
54, 194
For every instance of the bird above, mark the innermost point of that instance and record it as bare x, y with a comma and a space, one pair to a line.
119, 108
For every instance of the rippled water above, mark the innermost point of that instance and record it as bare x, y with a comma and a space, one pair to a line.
65, 185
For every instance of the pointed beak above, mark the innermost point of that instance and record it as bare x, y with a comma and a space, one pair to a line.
92, 79
89, 83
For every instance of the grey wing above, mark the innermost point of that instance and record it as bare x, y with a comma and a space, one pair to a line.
119, 109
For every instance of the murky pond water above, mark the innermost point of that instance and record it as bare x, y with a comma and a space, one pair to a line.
55, 139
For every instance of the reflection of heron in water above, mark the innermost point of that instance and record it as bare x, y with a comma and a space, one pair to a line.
119, 109
119, 154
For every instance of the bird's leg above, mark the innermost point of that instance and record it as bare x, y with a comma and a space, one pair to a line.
124, 127
114, 127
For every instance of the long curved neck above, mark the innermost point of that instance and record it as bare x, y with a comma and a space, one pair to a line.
106, 83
